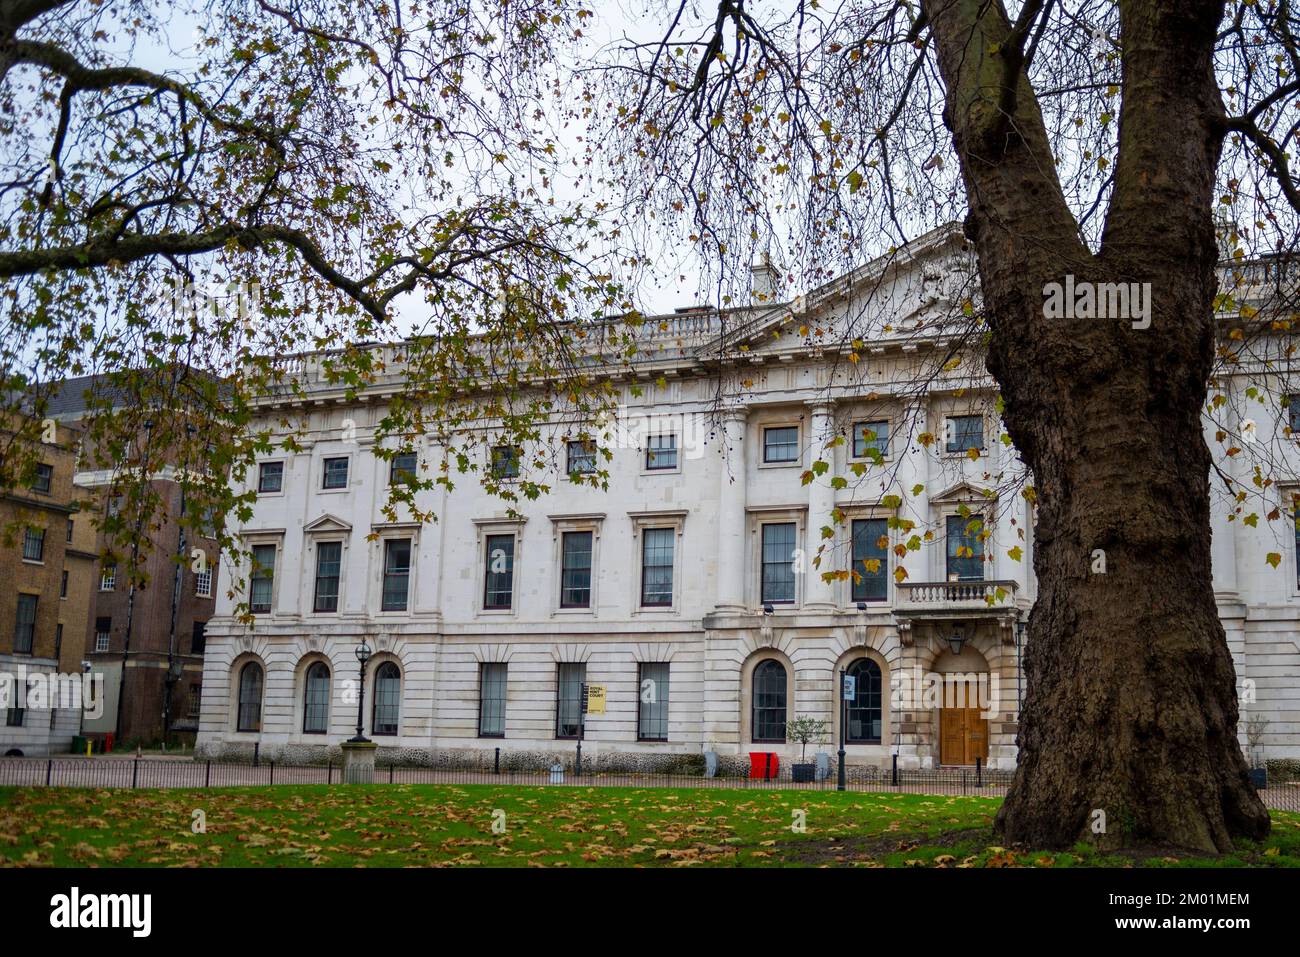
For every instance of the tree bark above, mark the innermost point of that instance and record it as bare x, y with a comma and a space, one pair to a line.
1131, 703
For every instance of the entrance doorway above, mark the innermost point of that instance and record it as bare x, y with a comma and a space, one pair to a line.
963, 729
963, 736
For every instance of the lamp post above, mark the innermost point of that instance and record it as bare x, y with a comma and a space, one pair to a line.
363, 655
840, 782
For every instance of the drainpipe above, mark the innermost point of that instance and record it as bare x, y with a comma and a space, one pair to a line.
170, 682
130, 595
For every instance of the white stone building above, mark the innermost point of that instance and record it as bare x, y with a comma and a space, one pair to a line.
687, 589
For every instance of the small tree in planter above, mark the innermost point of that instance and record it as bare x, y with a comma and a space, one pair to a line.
806, 730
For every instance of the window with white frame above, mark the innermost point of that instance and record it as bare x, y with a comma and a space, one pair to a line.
661, 453
402, 468
25, 624
335, 475
870, 574
387, 706
1294, 495
570, 677
261, 579
657, 546
1292, 405
492, 699
769, 703
575, 569
34, 545
652, 701
965, 548
103, 633
329, 569
779, 540
397, 574
963, 433
203, 581
871, 439
44, 478
864, 708
504, 461
270, 477
316, 699
581, 457
781, 444
498, 572
249, 710
108, 578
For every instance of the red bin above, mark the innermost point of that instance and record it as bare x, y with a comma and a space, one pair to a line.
763, 764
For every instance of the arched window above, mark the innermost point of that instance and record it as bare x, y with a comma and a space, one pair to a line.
388, 699
250, 698
864, 709
316, 700
769, 702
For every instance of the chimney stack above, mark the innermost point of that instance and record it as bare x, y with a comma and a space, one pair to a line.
763, 280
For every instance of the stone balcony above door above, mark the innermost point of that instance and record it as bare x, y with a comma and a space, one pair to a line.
959, 601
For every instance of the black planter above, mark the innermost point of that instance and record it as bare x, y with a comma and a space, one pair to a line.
1259, 778
803, 773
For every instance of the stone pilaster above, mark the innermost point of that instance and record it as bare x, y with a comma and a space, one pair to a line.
731, 513
913, 471
819, 594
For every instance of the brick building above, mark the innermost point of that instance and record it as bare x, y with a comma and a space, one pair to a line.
163, 654
48, 563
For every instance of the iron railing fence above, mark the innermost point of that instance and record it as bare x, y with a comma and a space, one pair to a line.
108, 772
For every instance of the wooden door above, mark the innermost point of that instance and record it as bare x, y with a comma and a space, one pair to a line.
963, 734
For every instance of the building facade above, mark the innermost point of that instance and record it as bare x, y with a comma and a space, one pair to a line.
694, 588
158, 677
152, 675
48, 563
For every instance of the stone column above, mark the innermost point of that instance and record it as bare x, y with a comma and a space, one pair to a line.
429, 543
913, 471
909, 719
731, 513
1005, 723
1223, 533
720, 713
819, 594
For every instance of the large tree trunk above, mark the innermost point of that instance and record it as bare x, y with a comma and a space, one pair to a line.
1131, 708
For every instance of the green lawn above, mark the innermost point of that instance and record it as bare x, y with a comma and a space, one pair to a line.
447, 825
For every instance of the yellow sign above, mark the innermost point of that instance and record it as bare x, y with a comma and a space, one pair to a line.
595, 699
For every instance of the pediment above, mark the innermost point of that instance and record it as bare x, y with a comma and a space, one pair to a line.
966, 492
327, 523
918, 286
